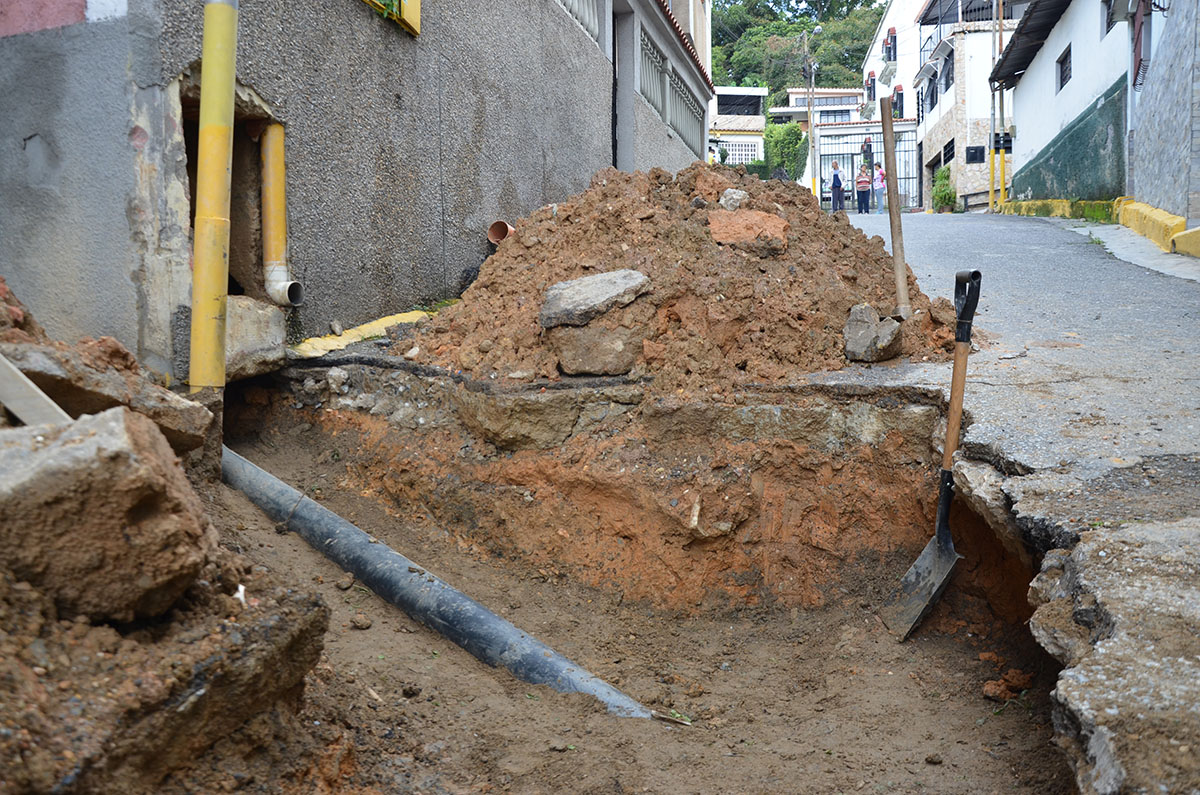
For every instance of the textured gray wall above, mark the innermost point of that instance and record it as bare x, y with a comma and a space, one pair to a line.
66, 174
655, 143
401, 150
1166, 118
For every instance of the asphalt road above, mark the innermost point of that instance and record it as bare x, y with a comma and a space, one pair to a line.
1093, 360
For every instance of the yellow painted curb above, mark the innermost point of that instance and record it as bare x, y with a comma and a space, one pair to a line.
1187, 242
319, 346
1157, 225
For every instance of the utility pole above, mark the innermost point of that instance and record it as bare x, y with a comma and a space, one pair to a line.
813, 158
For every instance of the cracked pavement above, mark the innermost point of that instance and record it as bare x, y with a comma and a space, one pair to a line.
1085, 397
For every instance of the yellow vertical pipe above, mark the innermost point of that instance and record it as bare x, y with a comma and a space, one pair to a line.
991, 179
274, 210
210, 272
1003, 198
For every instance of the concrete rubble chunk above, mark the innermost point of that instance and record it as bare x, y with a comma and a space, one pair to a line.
575, 302
732, 198
869, 339
255, 333
1123, 611
981, 486
583, 350
73, 381
98, 514
537, 420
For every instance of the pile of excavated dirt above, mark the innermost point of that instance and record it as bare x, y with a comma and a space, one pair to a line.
758, 294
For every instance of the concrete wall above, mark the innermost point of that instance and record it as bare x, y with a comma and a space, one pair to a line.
1165, 117
1098, 59
1086, 160
67, 175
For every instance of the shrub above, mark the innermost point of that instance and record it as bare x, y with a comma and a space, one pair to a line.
944, 194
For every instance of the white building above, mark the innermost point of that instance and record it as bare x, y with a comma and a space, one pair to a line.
832, 105
895, 55
954, 100
736, 123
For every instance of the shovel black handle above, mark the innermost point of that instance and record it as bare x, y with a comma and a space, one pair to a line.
966, 297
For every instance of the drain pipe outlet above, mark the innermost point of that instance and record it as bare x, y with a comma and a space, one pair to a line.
279, 284
417, 592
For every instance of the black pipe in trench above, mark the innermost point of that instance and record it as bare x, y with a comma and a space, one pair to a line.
417, 592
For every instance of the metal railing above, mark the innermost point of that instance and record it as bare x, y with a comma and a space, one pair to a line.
586, 13
653, 77
685, 115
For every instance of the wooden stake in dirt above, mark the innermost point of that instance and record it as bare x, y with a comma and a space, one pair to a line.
903, 308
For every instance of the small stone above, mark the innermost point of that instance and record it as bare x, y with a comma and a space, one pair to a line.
644, 214
346, 581
360, 621
486, 346
336, 327
732, 198
933, 759
412, 353
699, 202
409, 690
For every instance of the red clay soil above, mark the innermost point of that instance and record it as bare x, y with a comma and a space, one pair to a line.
760, 308
16, 322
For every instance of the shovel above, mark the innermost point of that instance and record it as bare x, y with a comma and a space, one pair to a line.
924, 582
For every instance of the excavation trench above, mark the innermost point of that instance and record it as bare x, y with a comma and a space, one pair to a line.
781, 515
788, 497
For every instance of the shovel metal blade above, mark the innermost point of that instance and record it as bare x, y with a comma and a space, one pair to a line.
920, 587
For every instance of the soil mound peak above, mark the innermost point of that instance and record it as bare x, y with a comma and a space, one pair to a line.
750, 283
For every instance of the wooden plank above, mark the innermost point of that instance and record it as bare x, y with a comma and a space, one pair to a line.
23, 398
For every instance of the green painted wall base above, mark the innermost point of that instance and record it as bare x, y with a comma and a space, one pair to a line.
1102, 211
1086, 160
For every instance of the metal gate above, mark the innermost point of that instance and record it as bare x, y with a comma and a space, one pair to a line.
847, 149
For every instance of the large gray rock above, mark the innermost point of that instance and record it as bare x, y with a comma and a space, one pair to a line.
98, 514
584, 350
576, 302
83, 385
869, 339
1122, 611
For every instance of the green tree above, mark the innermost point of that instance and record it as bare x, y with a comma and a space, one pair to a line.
842, 46
785, 147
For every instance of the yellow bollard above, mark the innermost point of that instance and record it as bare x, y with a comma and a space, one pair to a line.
210, 272
991, 180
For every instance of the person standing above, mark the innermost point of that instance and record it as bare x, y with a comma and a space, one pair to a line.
839, 201
878, 184
862, 184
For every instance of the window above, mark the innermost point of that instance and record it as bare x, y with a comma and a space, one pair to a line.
832, 116
1106, 17
1064, 68
948, 151
948, 72
931, 93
